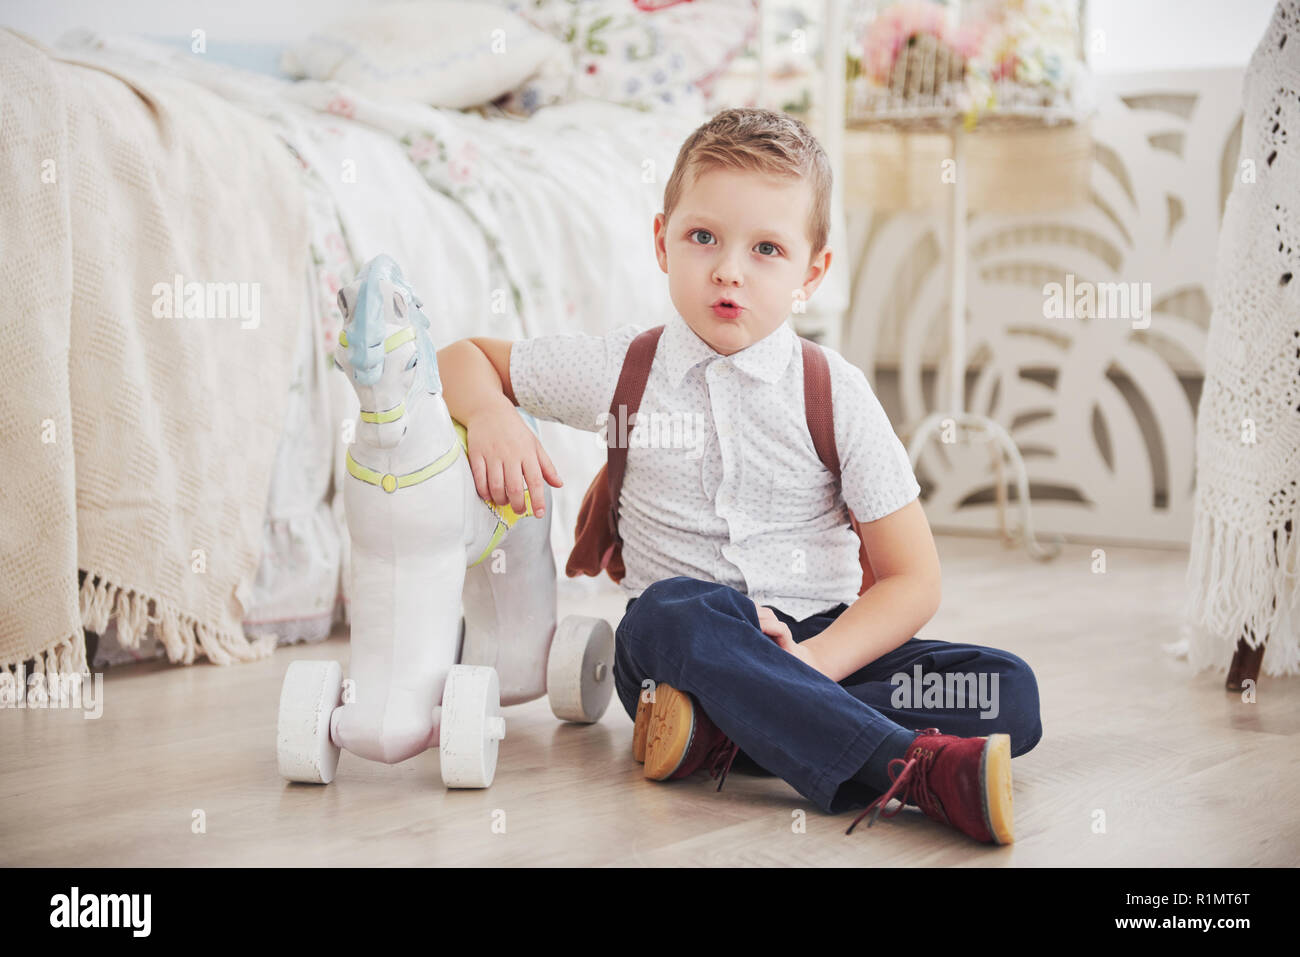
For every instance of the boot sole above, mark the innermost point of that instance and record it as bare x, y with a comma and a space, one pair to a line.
668, 733
995, 781
642, 727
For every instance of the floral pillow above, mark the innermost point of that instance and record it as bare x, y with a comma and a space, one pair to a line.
648, 54
447, 53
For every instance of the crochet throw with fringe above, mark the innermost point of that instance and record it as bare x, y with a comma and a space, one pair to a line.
137, 433
1242, 577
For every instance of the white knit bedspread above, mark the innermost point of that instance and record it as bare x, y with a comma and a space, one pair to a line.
136, 446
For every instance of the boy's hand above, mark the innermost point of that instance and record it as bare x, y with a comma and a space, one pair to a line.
505, 457
779, 632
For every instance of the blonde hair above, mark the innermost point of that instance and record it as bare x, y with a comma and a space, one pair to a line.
763, 141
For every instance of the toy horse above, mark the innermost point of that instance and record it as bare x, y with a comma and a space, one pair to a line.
425, 549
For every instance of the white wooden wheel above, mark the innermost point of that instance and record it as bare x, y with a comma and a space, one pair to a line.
580, 669
308, 697
471, 725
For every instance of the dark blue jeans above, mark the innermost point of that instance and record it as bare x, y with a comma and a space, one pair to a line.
793, 721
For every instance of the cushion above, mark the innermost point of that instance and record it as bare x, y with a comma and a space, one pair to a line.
447, 53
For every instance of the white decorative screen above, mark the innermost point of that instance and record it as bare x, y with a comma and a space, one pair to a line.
1102, 409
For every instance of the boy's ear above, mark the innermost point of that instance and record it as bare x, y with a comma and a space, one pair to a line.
661, 235
817, 271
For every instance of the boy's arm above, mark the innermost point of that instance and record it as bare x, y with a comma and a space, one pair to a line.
567, 379
906, 595
505, 456
881, 491
475, 376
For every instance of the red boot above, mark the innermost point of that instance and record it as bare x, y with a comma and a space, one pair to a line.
679, 738
962, 782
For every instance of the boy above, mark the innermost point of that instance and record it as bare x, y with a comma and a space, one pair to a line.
743, 625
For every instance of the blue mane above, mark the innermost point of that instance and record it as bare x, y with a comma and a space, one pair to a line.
366, 345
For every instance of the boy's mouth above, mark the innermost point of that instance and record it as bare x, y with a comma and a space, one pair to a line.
726, 308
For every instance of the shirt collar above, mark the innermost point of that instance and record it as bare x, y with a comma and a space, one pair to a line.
766, 359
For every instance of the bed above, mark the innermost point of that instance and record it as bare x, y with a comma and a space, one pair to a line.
513, 218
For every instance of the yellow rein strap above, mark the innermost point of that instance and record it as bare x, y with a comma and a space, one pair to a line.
506, 515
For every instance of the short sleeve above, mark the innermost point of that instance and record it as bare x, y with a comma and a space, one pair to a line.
875, 474
569, 379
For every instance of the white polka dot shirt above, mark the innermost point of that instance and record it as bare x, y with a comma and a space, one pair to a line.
723, 482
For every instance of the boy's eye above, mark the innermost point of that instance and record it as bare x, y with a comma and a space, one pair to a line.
765, 248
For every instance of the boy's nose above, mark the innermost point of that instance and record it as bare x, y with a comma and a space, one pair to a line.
727, 274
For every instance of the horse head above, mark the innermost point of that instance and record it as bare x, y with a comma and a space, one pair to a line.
385, 349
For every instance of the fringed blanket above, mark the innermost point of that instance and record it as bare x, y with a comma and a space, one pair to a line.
152, 270
1244, 573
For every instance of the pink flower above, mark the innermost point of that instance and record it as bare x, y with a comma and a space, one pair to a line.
461, 168
341, 106
422, 148
1005, 68
969, 39
893, 27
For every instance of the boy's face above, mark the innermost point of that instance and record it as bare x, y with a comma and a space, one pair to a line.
742, 236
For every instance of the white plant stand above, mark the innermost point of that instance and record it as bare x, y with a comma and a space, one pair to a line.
957, 420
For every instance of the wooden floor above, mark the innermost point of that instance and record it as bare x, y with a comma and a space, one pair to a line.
1179, 771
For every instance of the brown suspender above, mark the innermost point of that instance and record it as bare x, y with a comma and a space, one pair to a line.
628, 392
596, 545
817, 404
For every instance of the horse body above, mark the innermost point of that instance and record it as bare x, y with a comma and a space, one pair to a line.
416, 522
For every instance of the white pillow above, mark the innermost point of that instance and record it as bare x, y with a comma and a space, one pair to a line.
448, 53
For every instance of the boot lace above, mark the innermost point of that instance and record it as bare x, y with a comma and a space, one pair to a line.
910, 786
725, 750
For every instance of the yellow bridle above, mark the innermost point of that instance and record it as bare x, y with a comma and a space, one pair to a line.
391, 343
